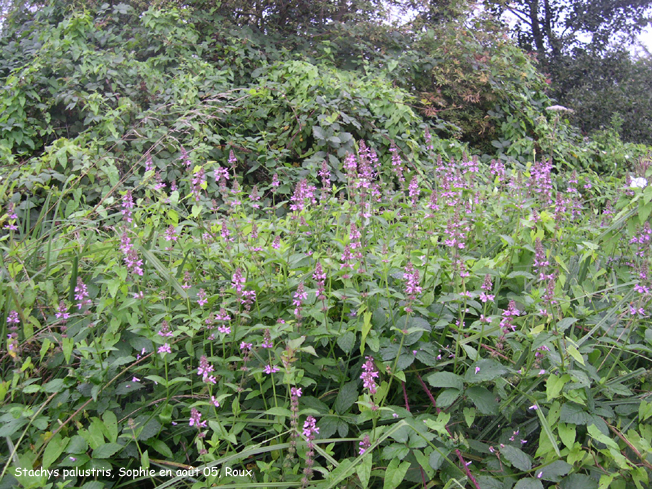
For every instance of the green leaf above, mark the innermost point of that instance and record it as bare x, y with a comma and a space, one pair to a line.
366, 327
395, 473
555, 384
54, 449
364, 470
151, 428
644, 212
548, 430
446, 379
516, 457
346, 397
644, 410
163, 271
447, 397
106, 450
566, 434
601, 437
574, 414
469, 416
144, 460
319, 133
489, 370
67, 346
565, 323
578, 481
574, 352
95, 433
484, 400
529, 483
279, 411
487, 482
77, 445
555, 471
111, 425
346, 342
327, 426
437, 459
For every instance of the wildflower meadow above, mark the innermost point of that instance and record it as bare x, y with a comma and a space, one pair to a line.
296, 280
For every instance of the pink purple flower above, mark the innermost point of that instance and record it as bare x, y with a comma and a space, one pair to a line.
369, 375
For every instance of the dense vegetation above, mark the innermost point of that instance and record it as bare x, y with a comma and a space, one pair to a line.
292, 246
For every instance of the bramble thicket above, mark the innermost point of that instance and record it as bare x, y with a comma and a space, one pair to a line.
287, 244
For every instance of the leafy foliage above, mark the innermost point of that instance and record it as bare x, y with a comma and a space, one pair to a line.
225, 264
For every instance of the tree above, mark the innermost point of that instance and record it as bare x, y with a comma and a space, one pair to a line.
554, 28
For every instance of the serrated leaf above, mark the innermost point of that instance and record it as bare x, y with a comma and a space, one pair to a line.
163, 271
106, 450
601, 437
161, 447
279, 411
485, 370
518, 458
572, 413
346, 397
54, 449
565, 323
77, 444
346, 342
53, 386
149, 430
318, 133
447, 397
327, 426
529, 483
578, 481
483, 399
446, 379
555, 471
487, 482
395, 451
